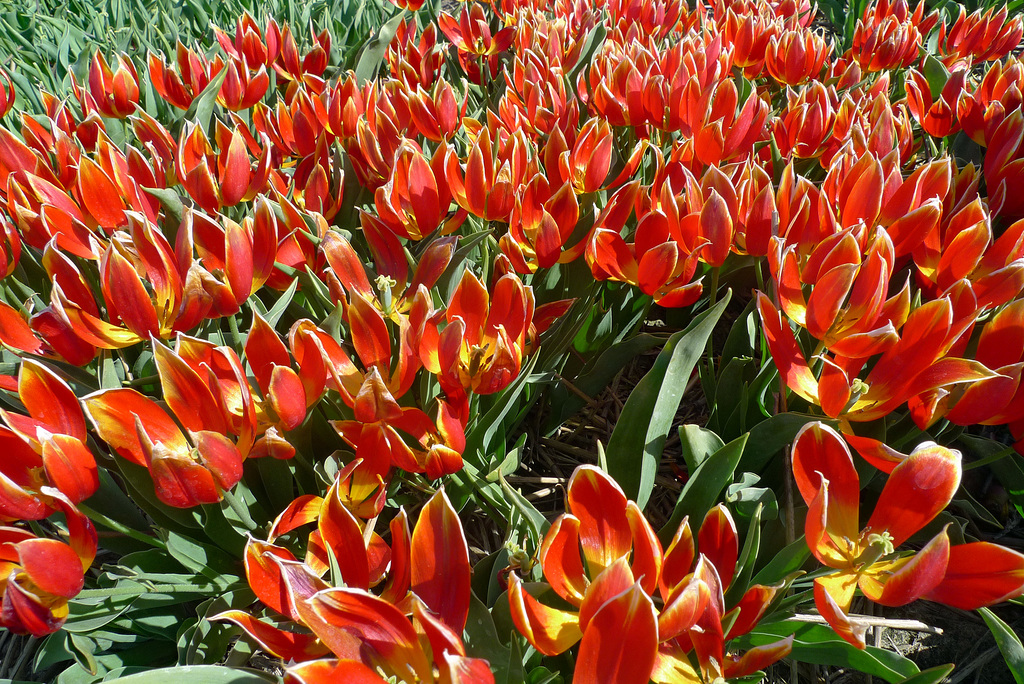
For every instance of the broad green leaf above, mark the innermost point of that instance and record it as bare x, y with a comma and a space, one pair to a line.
784, 563
201, 109
704, 486
818, 644
933, 675
697, 444
1008, 642
770, 436
635, 447
201, 674
373, 52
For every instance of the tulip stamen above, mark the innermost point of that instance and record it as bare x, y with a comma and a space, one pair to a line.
476, 357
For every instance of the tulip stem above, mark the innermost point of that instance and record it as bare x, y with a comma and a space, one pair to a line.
236, 338
112, 524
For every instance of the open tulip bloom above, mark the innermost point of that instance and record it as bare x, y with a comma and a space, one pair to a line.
920, 487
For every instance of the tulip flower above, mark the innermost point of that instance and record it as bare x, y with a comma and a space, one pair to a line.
416, 60
980, 36
113, 93
376, 433
176, 302
188, 469
428, 576
471, 35
916, 491
237, 259
1004, 167
222, 179
541, 224
242, 89
1000, 92
416, 197
250, 44
480, 348
194, 73
487, 186
306, 69
38, 576
938, 117
610, 587
54, 432
792, 57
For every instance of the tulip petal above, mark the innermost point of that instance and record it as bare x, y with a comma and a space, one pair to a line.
917, 490
549, 630
621, 644
980, 574
440, 571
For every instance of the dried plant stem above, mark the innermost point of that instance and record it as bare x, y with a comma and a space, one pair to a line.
870, 621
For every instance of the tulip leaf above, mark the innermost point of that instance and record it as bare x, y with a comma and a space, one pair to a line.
200, 674
170, 201
747, 558
1008, 642
697, 444
785, 562
819, 645
704, 486
933, 675
647, 417
274, 313
372, 54
482, 641
201, 109
770, 436
594, 40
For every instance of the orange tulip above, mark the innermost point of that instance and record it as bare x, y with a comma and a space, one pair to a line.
114, 94
187, 470
250, 44
428, 577
938, 117
610, 587
916, 491
194, 73
38, 576
792, 57
980, 36
54, 433
541, 224
225, 178
480, 348
177, 301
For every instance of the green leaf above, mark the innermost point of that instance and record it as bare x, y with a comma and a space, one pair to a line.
697, 444
1008, 642
170, 201
819, 645
770, 436
481, 638
201, 109
635, 447
933, 675
372, 54
281, 303
704, 486
200, 674
784, 563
